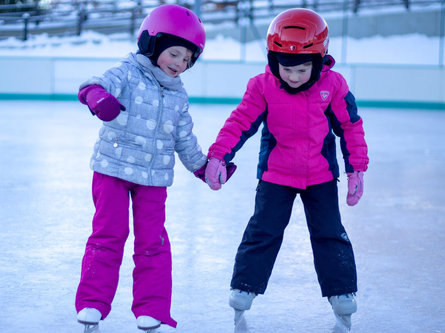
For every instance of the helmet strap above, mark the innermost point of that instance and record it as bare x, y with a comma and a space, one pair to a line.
146, 43
150, 46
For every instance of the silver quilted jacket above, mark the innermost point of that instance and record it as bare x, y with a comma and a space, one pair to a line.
139, 145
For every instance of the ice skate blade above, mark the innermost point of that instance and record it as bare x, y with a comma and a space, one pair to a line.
90, 328
238, 316
343, 322
149, 329
241, 326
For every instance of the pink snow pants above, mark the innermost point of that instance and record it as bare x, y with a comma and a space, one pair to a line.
152, 275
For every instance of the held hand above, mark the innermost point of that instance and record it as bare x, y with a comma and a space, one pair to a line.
231, 168
100, 102
200, 173
217, 173
355, 187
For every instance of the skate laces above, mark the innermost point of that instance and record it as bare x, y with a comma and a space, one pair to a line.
343, 304
245, 293
345, 296
240, 299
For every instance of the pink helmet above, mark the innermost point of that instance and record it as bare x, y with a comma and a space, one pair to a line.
172, 20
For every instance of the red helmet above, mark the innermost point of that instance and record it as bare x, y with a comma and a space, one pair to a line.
298, 30
172, 20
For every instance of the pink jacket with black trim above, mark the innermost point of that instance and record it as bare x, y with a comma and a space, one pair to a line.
298, 146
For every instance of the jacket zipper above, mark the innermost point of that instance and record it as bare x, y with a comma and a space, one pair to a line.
158, 120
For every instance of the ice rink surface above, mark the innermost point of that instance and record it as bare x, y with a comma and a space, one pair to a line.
397, 230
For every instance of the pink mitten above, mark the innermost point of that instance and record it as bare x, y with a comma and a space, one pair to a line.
100, 102
355, 187
216, 173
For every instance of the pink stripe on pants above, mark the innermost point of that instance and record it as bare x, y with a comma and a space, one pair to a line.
152, 281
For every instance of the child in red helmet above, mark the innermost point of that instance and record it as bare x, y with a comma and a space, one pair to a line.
144, 109
302, 105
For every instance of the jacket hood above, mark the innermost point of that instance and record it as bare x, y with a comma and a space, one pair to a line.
324, 65
328, 62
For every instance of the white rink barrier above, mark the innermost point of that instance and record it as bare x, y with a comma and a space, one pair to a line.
58, 78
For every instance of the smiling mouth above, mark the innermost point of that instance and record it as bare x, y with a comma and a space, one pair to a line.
174, 71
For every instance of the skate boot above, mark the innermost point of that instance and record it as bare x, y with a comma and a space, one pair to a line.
343, 306
90, 318
240, 301
147, 323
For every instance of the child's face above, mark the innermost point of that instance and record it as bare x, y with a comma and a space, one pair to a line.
295, 76
174, 60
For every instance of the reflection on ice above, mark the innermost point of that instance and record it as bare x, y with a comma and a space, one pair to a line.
398, 230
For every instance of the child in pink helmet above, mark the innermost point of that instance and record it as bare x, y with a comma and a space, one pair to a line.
144, 109
303, 105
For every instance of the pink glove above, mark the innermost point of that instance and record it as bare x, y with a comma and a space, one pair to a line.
100, 102
355, 187
217, 172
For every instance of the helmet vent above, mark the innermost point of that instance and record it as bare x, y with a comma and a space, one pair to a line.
294, 27
308, 45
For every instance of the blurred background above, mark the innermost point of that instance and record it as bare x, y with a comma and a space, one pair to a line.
392, 55
391, 51
355, 18
245, 20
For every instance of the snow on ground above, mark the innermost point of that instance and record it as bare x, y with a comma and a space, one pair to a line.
397, 229
413, 49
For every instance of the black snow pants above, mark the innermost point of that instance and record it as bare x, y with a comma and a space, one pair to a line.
333, 256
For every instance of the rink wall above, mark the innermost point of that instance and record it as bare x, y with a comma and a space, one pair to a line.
58, 78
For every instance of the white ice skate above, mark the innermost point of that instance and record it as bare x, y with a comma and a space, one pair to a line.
240, 301
89, 317
147, 323
343, 306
